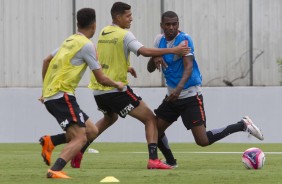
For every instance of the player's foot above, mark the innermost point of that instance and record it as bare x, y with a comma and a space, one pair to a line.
47, 148
56, 174
171, 164
157, 164
75, 162
252, 128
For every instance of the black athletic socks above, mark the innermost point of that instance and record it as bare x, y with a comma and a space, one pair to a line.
153, 151
59, 165
85, 147
217, 134
58, 139
165, 149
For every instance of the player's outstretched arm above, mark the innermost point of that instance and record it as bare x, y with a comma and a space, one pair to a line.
105, 81
149, 52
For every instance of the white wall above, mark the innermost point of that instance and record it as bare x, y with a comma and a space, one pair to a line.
24, 119
32, 29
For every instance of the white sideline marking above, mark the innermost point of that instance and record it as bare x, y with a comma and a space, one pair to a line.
196, 152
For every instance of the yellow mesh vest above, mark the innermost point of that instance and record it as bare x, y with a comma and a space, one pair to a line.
110, 50
61, 74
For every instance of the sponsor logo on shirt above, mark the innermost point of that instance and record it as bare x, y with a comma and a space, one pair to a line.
105, 33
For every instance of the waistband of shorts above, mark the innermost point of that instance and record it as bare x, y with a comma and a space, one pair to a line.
101, 92
58, 95
189, 92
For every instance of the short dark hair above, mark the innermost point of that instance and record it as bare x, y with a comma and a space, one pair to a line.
119, 8
169, 14
85, 17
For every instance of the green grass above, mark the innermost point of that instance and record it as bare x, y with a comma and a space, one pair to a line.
22, 164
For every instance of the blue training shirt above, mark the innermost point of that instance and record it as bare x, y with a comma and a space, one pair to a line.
173, 73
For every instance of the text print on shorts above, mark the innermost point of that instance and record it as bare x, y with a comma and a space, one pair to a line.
65, 123
126, 110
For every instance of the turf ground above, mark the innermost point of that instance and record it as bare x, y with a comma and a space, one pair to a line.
219, 163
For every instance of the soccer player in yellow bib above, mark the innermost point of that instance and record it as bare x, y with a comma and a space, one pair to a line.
61, 72
114, 46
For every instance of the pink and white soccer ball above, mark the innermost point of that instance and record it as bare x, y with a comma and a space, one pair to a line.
253, 158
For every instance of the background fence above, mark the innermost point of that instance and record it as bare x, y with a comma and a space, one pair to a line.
223, 32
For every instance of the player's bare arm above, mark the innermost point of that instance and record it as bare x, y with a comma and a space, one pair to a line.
156, 63
188, 67
45, 66
104, 80
132, 71
179, 50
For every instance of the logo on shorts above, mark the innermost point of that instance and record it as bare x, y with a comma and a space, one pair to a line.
103, 111
196, 121
126, 110
64, 124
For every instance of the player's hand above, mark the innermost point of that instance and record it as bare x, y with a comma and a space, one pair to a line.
132, 71
41, 99
182, 49
174, 95
160, 63
120, 86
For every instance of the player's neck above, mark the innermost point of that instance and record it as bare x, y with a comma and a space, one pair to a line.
84, 32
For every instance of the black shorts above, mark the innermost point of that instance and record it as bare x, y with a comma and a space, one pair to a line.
190, 109
66, 111
118, 102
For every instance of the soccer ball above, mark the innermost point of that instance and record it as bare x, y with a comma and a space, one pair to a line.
253, 158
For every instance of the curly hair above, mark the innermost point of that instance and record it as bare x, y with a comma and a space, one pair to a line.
169, 14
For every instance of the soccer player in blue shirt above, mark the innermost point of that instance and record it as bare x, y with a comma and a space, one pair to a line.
184, 95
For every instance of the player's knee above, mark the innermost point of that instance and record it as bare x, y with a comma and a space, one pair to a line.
150, 118
83, 139
92, 133
202, 143
111, 118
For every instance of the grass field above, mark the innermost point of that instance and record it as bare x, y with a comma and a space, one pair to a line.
219, 163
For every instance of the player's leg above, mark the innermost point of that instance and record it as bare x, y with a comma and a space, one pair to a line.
91, 133
204, 138
107, 121
146, 116
48, 144
77, 135
105, 102
166, 114
194, 118
163, 143
72, 120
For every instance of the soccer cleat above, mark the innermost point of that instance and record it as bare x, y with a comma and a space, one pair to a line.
173, 165
56, 174
252, 128
157, 164
47, 148
75, 162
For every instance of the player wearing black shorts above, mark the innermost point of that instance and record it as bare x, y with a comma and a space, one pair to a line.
115, 43
184, 95
114, 46
121, 103
61, 74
